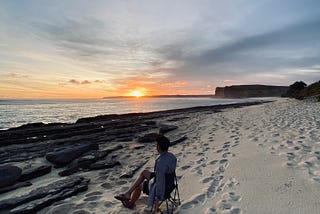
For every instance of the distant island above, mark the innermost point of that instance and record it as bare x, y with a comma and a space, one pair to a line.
164, 96
243, 91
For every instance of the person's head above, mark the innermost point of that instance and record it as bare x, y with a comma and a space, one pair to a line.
163, 143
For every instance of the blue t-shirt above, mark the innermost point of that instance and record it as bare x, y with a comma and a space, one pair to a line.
165, 163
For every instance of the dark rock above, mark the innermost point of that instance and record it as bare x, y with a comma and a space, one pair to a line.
15, 186
136, 146
62, 158
148, 138
178, 140
167, 128
35, 172
88, 162
69, 171
42, 197
103, 165
106, 152
150, 123
177, 119
9, 175
87, 159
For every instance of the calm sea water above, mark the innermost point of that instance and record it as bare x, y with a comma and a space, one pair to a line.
14, 113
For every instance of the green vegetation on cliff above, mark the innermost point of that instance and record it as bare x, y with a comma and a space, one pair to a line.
300, 90
311, 90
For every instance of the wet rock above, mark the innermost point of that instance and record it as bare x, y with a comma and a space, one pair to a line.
167, 128
15, 186
104, 165
42, 197
69, 171
178, 140
88, 162
106, 152
35, 172
62, 158
148, 138
9, 175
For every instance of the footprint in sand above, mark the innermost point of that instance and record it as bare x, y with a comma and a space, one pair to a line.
226, 154
206, 180
223, 161
185, 167
220, 150
232, 182
93, 194
224, 205
93, 198
235, 211
200, 160
213, 162
215, 184
194, 202
234, 197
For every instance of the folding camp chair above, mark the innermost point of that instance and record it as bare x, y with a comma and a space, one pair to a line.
171, 197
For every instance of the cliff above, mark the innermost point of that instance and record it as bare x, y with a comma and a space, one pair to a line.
240, 91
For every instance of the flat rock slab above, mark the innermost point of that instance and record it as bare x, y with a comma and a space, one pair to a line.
148, 138
167, 128
15, 186
9, 175
67, 155
35, 172
44, 196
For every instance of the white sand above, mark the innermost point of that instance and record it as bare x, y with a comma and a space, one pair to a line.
257, 159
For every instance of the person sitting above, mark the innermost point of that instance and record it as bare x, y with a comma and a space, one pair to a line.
165, 163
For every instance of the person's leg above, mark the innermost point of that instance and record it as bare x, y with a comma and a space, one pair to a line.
146, 174
134, 197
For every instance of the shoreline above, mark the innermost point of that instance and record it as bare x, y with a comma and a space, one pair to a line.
70, 111
138, 114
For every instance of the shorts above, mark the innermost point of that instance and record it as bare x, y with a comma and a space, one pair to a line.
145, 185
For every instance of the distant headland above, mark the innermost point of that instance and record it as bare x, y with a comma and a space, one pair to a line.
242, 91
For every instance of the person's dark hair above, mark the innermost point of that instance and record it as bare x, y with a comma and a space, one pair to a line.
163, 143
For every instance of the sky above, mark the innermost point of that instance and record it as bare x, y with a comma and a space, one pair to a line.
100, 48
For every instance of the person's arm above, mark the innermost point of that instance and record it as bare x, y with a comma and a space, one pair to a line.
160, 184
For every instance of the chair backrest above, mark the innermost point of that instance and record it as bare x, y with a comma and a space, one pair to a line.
171, 183
172, 192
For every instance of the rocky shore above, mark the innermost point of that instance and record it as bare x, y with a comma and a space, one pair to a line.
44, 165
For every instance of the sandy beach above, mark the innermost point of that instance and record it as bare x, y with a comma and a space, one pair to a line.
255, 159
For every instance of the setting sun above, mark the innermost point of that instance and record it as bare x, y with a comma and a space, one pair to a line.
136, 94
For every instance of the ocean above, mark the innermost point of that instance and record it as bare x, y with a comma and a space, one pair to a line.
15, 113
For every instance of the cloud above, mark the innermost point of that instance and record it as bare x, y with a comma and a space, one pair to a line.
15, 75
86, 37
73, 81
85, 82
291, 47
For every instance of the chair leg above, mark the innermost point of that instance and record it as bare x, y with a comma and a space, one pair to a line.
177, 191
